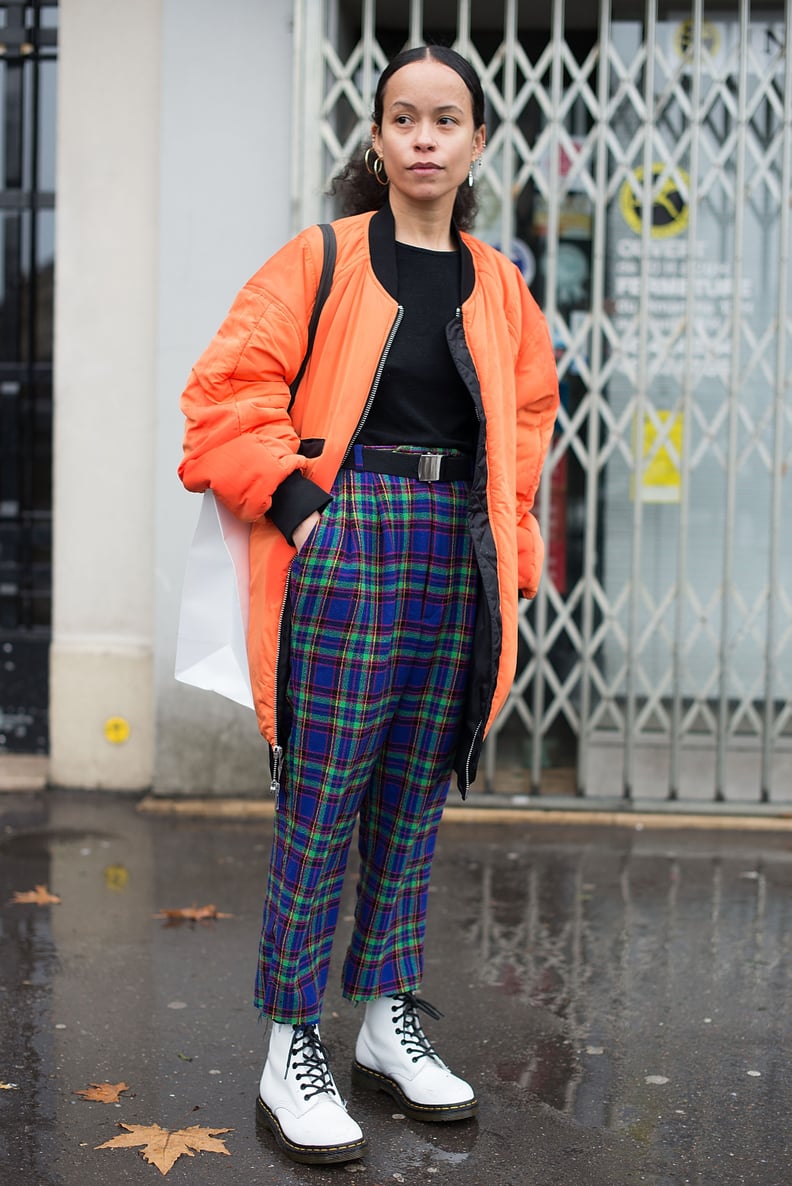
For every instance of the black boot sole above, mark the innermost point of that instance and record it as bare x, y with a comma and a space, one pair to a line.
431, 1113
308, 1154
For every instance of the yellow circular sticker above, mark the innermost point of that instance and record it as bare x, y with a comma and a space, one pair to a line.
116, 730
116, 877
670, 210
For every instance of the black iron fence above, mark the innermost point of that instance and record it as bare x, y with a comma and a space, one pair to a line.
28, 52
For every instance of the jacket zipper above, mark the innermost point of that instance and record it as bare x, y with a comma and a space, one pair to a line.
470, 757
277, 749
480, 725
377, 377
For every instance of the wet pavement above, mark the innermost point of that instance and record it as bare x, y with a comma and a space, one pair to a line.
620, 997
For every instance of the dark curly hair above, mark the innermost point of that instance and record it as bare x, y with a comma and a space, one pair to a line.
358, 189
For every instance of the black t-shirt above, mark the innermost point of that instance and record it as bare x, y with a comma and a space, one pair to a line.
421, 399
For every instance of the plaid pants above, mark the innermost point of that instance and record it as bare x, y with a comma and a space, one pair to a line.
383, 608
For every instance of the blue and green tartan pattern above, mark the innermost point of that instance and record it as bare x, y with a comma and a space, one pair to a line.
383, 607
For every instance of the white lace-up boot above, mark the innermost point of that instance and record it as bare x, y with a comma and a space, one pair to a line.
299, 1101
393, 1054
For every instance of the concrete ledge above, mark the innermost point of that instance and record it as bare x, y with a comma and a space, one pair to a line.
484, 810
23, 772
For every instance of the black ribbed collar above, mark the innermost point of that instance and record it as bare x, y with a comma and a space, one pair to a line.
382, 248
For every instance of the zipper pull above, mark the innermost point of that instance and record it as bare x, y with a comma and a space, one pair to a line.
277, 762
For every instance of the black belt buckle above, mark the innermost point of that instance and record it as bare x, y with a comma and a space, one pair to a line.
429, 467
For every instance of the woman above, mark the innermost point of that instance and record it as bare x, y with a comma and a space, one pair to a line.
391, 533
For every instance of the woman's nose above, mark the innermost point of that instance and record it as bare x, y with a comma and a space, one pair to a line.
425, 136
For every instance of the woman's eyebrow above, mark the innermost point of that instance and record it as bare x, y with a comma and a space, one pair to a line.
407, 106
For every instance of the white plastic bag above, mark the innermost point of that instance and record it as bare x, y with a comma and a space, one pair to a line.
211, 650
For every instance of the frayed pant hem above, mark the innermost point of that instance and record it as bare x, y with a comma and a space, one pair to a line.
364, 998
269, 1019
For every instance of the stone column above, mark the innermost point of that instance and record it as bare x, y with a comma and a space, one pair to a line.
101, 694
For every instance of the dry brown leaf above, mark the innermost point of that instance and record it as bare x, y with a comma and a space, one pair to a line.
103, 1093
192, 914
40, 896
163, 1148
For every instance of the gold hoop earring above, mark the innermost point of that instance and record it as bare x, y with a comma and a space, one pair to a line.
367, 161
379, 172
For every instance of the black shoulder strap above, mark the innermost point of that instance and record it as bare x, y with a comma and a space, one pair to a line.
325, 282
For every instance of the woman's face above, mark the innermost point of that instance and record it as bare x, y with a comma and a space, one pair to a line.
427, 139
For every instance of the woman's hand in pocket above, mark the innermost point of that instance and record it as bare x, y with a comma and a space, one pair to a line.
304, 529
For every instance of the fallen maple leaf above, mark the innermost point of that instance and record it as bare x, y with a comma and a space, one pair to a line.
192, 914
40, 896
103, 1093
163, 1148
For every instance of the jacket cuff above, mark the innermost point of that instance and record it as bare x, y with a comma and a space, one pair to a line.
293, 501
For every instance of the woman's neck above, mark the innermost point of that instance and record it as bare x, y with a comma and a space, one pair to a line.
425, 226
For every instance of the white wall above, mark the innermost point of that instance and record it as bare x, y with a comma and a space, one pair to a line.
101, 704
225, 140
174, 138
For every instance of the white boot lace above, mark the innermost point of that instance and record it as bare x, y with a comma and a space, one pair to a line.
308, 1057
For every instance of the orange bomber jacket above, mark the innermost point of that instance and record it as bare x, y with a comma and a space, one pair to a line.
242, 442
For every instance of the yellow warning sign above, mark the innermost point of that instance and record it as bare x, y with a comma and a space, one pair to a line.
116, 730
685, 32
670, 211
662, 473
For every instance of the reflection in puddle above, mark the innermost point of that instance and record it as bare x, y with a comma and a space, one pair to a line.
608, 956
450, 1147
552, 1067
39, 843
27, 964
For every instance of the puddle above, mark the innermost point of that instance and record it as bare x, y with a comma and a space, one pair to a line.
39, 843
617, 966
615, 1005
450, 1148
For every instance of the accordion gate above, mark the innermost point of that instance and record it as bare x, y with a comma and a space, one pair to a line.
639, 171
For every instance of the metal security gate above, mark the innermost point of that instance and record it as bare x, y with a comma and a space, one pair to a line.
639, 171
